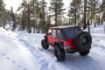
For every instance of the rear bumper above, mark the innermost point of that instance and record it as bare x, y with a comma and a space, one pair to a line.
70, 50
68, 47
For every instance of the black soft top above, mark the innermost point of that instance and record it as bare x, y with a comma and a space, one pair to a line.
67, 32
63, 27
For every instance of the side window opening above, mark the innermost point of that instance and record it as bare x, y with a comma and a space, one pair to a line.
54, 32
59, 35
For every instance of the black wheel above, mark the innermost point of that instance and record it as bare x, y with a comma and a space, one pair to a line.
84, 53
59, 52
83, 41
44, 44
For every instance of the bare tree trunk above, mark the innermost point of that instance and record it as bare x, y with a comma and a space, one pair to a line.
88, 23
29, 28
85, 10
69, 20
56, 15
104, 28
91, 16
75, 16
56, 20
100, 18
34, 22
43, 8
43, 16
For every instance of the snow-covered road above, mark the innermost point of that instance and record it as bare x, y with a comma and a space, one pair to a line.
23, 51
47, 61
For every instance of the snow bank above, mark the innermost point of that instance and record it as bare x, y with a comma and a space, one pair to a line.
13, 54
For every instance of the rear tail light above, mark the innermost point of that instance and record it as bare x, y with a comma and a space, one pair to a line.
71, 43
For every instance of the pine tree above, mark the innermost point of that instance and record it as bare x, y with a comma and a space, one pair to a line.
33, 14
74, 11
26, 23
43, 11
23, 14
102, 9
23, 20
93, 10
2, 14
57, 9
12, 15
35, 7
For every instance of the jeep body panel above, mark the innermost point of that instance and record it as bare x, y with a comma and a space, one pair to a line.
63, 34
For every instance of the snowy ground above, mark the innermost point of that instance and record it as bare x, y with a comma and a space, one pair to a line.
23, 51
13, 56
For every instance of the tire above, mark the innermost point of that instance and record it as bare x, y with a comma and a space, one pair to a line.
59, 52
83, 41
84, 53
44, 44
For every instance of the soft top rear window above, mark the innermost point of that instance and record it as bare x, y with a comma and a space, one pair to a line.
69, 33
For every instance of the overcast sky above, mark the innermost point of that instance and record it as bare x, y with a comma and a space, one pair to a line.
12, 3
16, 3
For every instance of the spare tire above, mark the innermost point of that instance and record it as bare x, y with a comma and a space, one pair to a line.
83, 41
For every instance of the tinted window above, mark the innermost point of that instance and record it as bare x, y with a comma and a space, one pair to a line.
71, 32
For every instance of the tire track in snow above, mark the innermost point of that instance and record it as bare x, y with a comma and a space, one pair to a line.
44, 63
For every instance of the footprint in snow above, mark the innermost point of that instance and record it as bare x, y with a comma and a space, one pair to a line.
7, 58
24, 69
13, 61
19, 66
3, 54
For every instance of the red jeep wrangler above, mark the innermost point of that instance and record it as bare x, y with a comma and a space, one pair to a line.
67, 39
